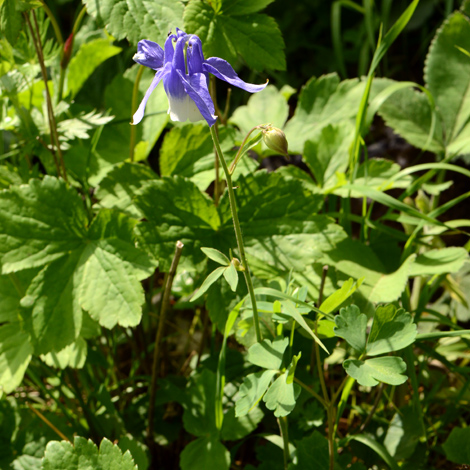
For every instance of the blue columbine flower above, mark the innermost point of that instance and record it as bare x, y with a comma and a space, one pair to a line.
186, 82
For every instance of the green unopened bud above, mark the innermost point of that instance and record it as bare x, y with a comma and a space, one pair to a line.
276, 140
237, 264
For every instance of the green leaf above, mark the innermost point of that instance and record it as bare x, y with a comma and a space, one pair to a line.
291, 310
351, 325
10, 20
457, 446
312, 453
447, 74
208, 281
199, 409
281, 396
73, 355
138, 19
268, 354
323, 101
338, 297
84, 454
231, 276
439, 261
252, 390
244, 7
392, 329
15, 354
267, 106
328, 151
409, 114
256, 37
235, 428
204, 453
216, 256
378, 448
388, 369
176, 210
52, 216
117, 189
403, 433
87, 59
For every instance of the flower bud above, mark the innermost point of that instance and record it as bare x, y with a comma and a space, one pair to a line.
276, 140
237, 264
67, 51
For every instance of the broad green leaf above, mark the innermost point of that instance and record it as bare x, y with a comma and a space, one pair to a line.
252, 390
268, 354
208, 281
312, 453
84, 455
338, 297
281, 396
351, 325
328, 150
244, 7
10, 20
12, 290
403, 433
388, 369
204, 453
138, 19
457, 446
267, 106
73, 355
409, 114
279, 234
447, 74
199, 409
51, 305
86, 60
256, 37
392, 329
216, 256
323, 101
51, 214
378, 448
231, 276
439, 261
118, 188
188, 151
111, 269
15, 354
235, 428
390, 286
176, 210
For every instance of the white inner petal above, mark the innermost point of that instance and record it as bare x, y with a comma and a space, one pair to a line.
139, 56
183, 109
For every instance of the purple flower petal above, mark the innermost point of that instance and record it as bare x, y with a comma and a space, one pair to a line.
223, 70
196, 87
139, 114
150, 54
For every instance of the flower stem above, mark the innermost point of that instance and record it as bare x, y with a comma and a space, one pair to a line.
238, 233
135, 93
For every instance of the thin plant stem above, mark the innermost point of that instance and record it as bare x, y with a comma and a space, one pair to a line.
320, 301
54, 23
282, 421
213, 93
158, 338
43, 418
238, 233
331, 437
52, 123
135, 93
312, 392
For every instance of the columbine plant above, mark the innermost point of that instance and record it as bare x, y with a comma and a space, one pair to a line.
186, 84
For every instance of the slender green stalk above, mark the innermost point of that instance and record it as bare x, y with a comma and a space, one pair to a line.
312, 392
285, 439
54, 23
158, 338
135, 93
238, 233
